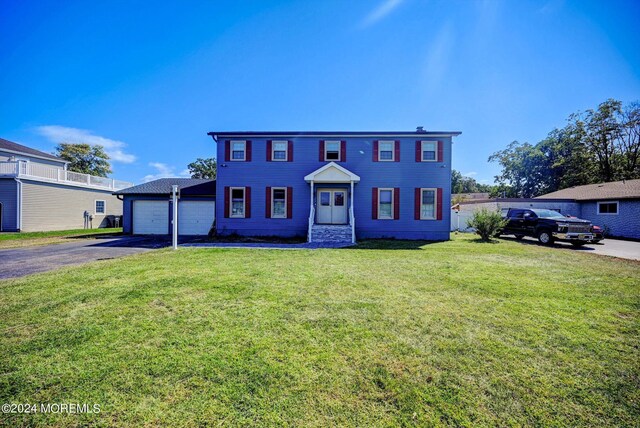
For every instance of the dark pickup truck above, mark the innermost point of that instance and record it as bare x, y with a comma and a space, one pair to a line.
548, 226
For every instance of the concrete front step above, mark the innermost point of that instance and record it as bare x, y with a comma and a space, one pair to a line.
330, 234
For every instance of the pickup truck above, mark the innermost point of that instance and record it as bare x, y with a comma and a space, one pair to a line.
548, 226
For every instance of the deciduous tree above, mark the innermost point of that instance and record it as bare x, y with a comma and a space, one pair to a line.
85, 158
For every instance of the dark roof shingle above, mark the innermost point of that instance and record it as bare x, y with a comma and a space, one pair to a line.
627, 189
162, 186
19, 148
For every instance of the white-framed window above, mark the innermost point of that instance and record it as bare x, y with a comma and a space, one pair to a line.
608, 208
279, 150
385, 204
101, 206
429, 151
386, 151
237, 202
332, 150
278, 202
428, 202
238, 150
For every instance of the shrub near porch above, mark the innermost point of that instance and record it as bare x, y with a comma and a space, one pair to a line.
389, 333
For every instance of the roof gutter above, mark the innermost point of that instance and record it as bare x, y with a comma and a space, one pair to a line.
329, 134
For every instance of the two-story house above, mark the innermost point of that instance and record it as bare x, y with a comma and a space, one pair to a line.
38, 193
334, 186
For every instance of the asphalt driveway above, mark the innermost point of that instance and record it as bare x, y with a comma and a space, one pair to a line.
16, 262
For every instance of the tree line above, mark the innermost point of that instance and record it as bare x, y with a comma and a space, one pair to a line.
595, 146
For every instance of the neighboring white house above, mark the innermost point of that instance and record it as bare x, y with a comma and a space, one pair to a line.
37, 193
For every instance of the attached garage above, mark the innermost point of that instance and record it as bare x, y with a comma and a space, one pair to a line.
195, 217
147, 209
150, 217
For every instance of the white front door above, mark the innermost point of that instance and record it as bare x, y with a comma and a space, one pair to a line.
331, 206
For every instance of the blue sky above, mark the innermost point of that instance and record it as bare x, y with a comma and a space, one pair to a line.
149, 80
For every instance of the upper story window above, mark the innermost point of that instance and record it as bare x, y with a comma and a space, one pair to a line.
332, 150
101, 207
429, 151
608, 208
237, 202
238, 150
386, 150
279, 150
427, 204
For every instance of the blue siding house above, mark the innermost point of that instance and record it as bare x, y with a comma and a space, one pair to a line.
334, 186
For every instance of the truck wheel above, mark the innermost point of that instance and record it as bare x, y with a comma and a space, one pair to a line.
545, 237
519, 237
578, 244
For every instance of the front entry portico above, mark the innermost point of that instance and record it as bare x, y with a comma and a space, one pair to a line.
331, 205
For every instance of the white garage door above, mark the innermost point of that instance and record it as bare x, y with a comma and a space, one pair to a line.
195, 217
151, 217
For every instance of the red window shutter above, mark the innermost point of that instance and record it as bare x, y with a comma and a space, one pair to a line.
396, 203
269, 150
267, 205
439, 204
440, 151
227, 150
290, 151
375, 150
374, 203
247, 202
416, 209
396, 155
418, 151
321, 152
226, 202
343, 151
289, 202
248, 152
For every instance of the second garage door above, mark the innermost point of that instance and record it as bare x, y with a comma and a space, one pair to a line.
151, 217
195, 217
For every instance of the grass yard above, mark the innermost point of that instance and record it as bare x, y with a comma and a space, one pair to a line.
27, 239
457, 333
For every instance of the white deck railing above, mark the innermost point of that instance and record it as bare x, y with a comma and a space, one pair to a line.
52, 174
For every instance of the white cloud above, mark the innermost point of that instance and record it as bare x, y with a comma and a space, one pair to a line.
383, 9
163, 171
470, 174
62, 134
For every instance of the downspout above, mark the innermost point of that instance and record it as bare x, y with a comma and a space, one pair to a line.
19, 205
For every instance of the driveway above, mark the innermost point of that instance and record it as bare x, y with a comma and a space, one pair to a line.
16, 262
609, 247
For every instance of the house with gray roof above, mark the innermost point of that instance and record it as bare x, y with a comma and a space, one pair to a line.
614, 206
148, 209
39, 193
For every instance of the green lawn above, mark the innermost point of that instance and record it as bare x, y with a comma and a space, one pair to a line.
457, 333
21, 239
